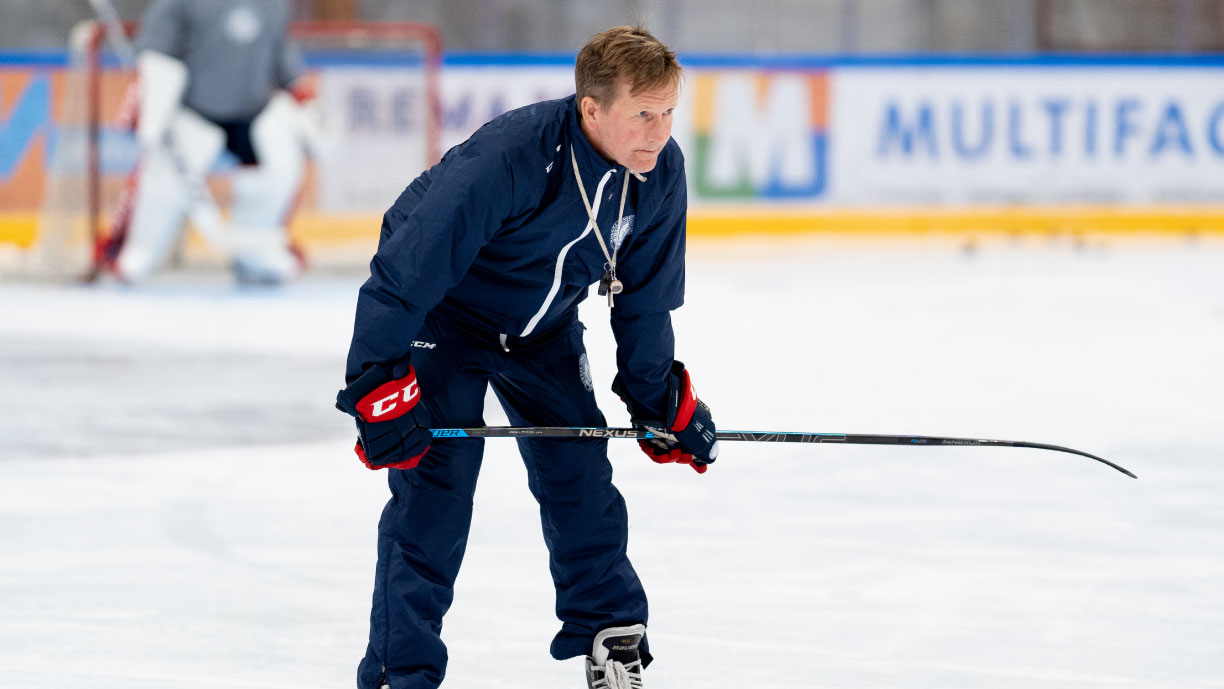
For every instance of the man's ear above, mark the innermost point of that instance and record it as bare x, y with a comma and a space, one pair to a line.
589, 108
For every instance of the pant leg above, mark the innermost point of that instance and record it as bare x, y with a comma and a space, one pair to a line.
583, 515
424, 527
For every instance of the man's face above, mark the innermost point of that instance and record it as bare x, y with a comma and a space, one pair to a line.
633, 128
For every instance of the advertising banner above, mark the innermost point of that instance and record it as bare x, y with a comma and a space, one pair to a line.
25, 136
965, 136
375, 122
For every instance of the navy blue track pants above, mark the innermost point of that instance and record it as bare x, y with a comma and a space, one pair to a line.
424, 527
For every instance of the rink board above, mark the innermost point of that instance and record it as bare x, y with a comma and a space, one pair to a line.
1117, 144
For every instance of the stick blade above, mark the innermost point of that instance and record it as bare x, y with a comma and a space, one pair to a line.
1081, 453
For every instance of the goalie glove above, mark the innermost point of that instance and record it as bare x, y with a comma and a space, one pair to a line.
392, 425
308, 111
686, 434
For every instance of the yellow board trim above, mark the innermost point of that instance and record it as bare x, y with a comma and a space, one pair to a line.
316, 229
320, 230
19, 228
724, 222
707, 222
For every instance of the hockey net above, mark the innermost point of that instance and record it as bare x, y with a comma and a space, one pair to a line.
380, 107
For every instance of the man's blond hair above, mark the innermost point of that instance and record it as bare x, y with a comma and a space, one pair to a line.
626, 53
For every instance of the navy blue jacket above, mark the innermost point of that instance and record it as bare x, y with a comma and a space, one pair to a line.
496, 237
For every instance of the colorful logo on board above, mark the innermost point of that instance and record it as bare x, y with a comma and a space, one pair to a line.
761, 134
25, 107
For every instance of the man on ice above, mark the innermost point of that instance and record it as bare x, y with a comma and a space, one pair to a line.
481, 265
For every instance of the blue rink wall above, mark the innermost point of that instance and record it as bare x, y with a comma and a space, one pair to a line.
782, 144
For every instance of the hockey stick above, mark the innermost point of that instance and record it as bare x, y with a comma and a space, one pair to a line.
756, 436
114, 31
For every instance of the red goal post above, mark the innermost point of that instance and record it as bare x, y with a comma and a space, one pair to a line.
385, 74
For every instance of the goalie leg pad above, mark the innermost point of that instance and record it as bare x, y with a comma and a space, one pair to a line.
161, 193
264, 194
162, 80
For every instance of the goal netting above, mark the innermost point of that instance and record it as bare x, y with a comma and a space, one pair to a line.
380, 107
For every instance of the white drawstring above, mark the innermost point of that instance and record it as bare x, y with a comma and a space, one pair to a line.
620, 217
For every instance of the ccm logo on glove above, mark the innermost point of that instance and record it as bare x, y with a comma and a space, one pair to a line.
390, 400
392, 424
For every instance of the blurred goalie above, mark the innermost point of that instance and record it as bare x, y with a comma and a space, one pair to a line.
215, 75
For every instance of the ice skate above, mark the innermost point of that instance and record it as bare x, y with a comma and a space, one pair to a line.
615, 662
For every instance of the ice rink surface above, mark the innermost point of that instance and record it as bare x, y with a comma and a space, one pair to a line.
180, 506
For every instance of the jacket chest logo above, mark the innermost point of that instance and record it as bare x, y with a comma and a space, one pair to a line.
621, 230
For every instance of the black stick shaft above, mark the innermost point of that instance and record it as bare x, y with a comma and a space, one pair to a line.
758, 437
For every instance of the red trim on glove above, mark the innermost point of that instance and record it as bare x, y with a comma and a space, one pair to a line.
390, 400
687, 405
674, 456
409, 463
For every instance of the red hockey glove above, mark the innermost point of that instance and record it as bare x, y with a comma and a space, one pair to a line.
686, 434
392, 425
